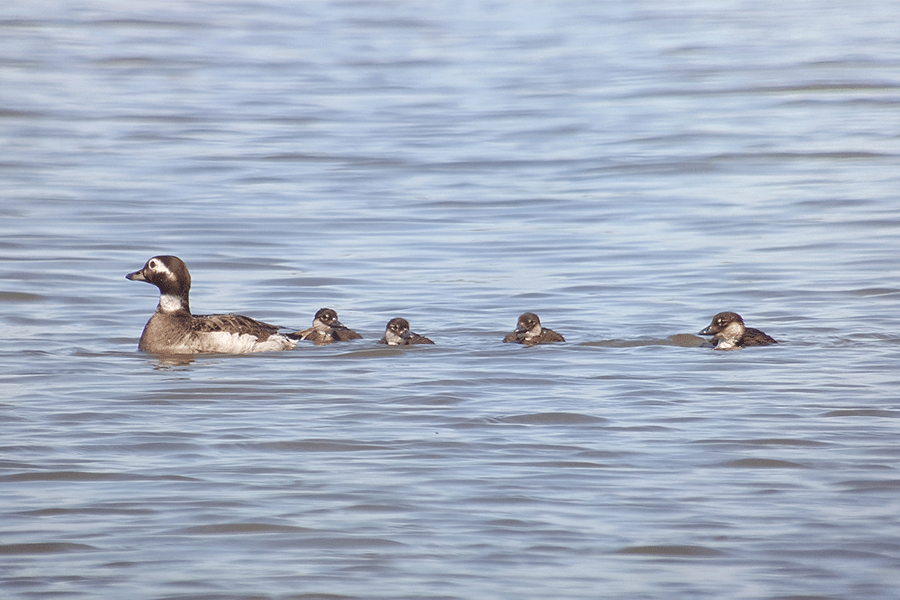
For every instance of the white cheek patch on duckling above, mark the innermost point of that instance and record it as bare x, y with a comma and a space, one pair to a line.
533, 332
729, 336
733, 331
393, 339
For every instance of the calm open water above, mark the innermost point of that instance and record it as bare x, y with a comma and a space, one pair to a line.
624, 169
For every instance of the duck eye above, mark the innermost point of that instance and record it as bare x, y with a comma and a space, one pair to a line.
152, 264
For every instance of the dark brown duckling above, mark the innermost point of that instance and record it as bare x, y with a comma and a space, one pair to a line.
529, 332
397, 333
326, 329
729, 332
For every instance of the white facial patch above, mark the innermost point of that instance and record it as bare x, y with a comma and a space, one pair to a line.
158, 266
733, 331
533, 332
729, 336
392, 338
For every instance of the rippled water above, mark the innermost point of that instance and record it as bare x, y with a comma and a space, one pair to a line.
626, 170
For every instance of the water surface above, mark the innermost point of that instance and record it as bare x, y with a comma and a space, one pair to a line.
625, 170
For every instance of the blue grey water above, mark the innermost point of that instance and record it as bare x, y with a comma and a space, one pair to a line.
624, 169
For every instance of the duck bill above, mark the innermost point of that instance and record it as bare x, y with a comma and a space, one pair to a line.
136, 276
707, 331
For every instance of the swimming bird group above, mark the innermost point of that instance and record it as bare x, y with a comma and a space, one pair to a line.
173, 329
